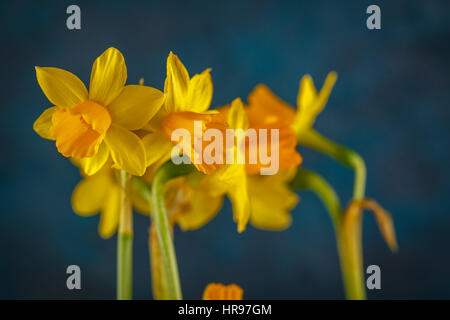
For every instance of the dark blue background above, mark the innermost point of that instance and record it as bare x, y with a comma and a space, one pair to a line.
391, 104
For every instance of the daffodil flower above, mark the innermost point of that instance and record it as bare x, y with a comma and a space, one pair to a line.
187, 100
310, 103
219, 291
94, 125
245, 188
101, 193
264, 201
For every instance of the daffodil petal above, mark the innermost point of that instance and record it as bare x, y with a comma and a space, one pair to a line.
200, 92
93, 164
108, 77
89, 194
176, 85
267, 219
307, 92
135, 106
271, 200
309, 102
43, 124
61, 87
156, 145
235, 180
237, 118
109, 217
203, 207
127, 150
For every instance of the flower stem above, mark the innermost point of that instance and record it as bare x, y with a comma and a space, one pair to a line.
314, 140
348, 238
309, 180
125, 242
163, 230
159, 283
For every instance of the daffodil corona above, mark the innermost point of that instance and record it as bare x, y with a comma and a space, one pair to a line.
218, 291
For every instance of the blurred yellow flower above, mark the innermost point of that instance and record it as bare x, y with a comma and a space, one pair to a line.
99, 193
187, 100
93, 125
264, 201
218, 291
309, 103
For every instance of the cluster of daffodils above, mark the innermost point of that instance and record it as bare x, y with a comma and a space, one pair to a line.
121, 139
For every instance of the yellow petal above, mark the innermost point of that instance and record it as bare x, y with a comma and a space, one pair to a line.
203, 207
135, 106
270, 201
43, 124
237, 118
110, 213
156, 146
61, 87
93, 164
89, 194
307, 93
200, 92
155, 123
238, 194
309, 102
127, 150
176, 85
108, 77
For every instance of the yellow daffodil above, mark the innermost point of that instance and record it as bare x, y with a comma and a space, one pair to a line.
94, 125
264, 201
101, 192
187, 100
246, 189
218, 291
309, 103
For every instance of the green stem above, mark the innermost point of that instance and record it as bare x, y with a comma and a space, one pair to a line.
125, 242
308, 180
348, 238
124, 266
168, 171
313, 139
157, 271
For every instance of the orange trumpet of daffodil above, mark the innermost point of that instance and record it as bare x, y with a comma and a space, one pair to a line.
218, 291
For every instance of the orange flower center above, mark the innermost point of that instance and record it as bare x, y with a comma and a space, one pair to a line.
186, 120
80, 130
218, 291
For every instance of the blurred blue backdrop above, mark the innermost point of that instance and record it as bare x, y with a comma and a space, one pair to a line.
391, 104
